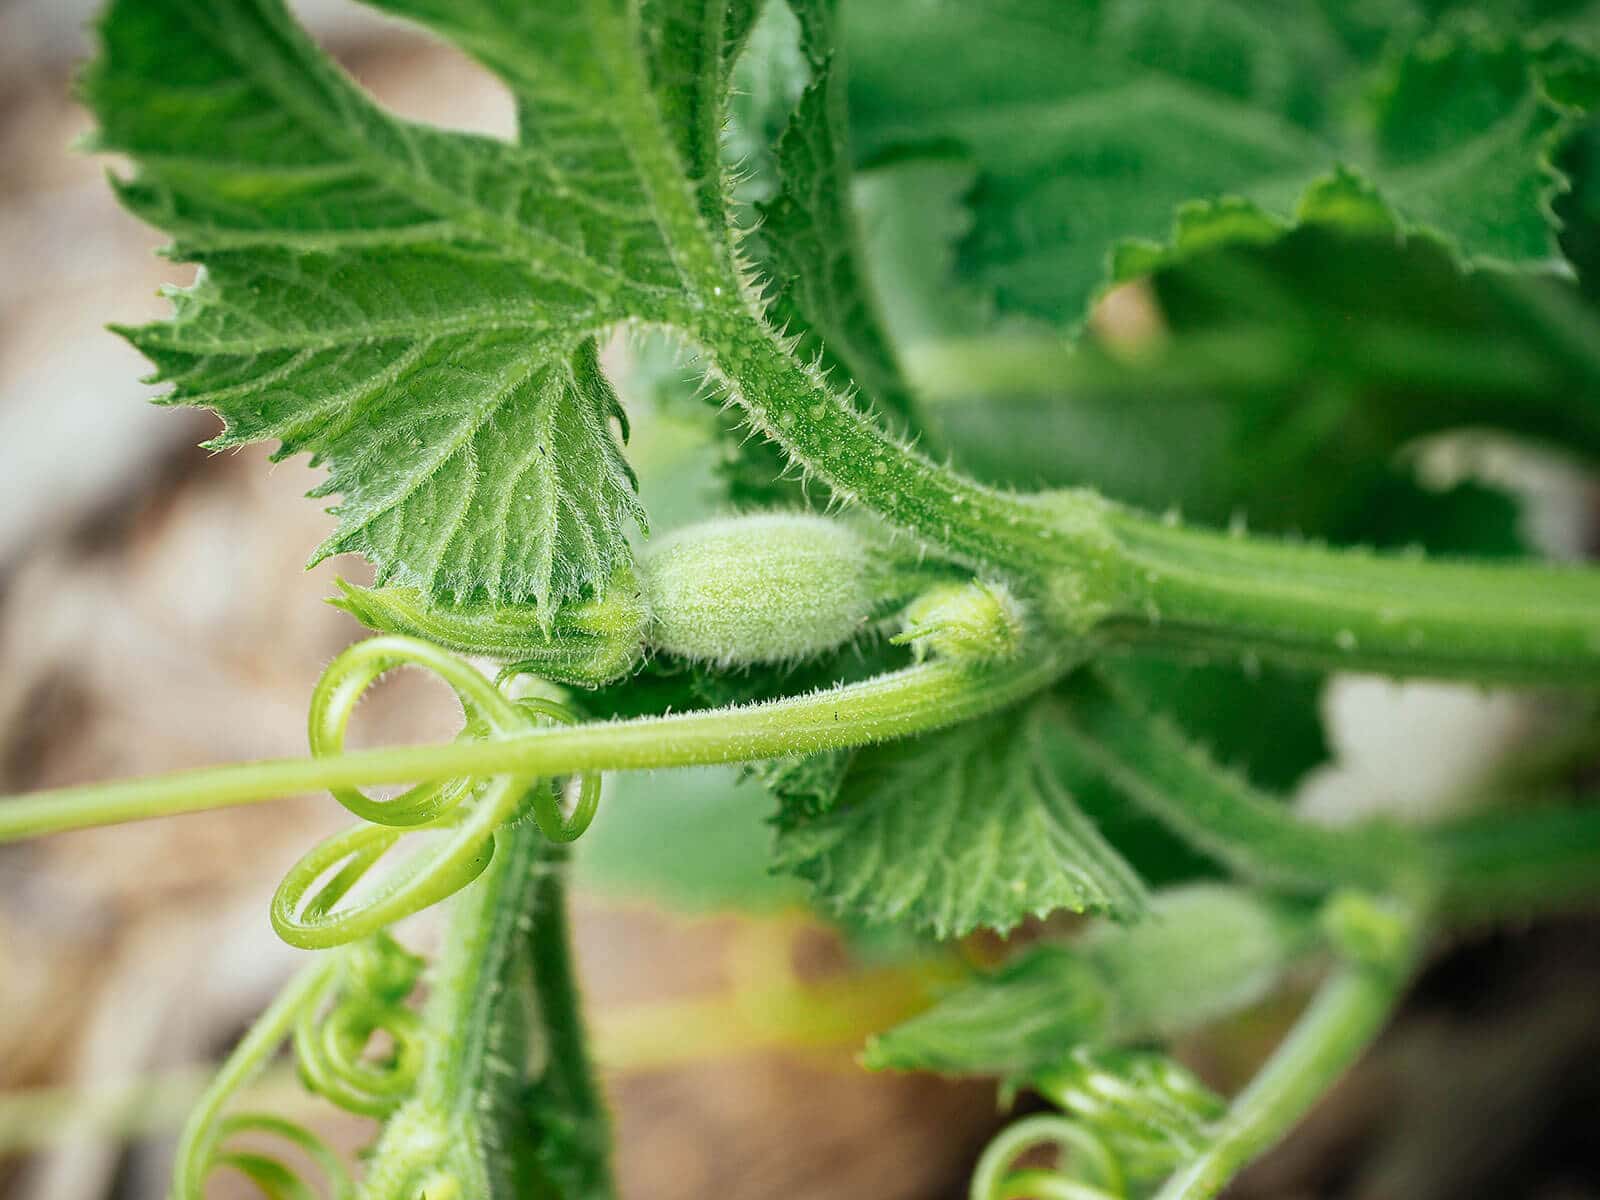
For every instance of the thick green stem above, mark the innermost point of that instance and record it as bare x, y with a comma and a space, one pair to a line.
826, 434
1353, 610
1125, 578
495, 1013
1346, 1014
567, 1085
918, 698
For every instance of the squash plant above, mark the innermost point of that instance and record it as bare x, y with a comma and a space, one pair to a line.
995, 599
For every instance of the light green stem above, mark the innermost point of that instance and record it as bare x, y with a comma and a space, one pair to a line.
199, 1145
1346, 1014
917, 698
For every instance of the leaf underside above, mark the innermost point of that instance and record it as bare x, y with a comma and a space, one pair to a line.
963, 830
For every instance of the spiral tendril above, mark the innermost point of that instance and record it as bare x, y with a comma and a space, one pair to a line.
1128, 1117
274, 1176
463, 814
330, 1012
367, 996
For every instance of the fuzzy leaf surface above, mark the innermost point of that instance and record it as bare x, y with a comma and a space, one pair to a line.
417, 308
951, 833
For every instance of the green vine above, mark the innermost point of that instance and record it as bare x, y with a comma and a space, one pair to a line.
423, 311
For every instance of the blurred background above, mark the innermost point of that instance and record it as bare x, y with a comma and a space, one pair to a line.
154, 614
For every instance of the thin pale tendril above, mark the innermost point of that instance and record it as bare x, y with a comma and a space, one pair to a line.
367, 995
462, 813
367, 985
1129, 1117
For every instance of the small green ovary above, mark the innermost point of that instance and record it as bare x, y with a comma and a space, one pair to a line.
776, 587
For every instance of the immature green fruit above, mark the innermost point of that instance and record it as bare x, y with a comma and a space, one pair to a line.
588, 643
977, 620
1207, 949
761, 589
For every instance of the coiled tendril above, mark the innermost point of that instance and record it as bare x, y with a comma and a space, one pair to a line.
368, 995
1128, 1118
330, 1010
465, 812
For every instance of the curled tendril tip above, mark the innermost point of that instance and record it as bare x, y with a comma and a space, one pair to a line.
1128, 1118
463, 813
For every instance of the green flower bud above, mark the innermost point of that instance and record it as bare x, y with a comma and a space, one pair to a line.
761, 589
1369, 930
588, 643
975, 620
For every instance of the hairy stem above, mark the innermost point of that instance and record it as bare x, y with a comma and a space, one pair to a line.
1252, 834
1125, 578
567, 1083
826, 434
502, 1004
917, 698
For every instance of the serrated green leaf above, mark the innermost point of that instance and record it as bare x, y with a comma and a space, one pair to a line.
807, 787
1203, 952
1321, 350
951, 833
1579, 209
416, 308
1115, 138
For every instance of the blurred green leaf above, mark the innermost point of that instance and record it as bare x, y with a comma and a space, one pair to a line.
1115, 138
1205, 951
